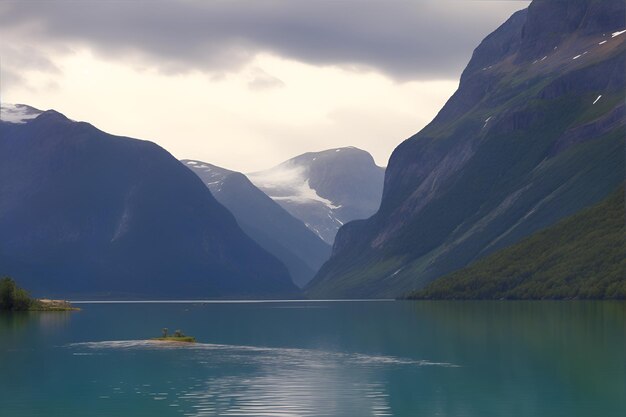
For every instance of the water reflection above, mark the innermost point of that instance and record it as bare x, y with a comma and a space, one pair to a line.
16, 321
10, 322
263, 381
302, 391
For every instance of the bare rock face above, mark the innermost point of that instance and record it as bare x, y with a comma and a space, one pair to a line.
533, 134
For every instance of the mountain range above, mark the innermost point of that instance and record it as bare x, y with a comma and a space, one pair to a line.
85, 214
534, 133
265, 221
508, 193
325, 189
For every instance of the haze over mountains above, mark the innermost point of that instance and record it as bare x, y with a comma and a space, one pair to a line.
325, 189
85, 214
271, 226
534, 133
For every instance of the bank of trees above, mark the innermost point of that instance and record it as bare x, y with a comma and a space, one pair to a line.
12, 297
581, 257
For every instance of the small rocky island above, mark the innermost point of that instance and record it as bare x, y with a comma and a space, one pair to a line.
14, 298
178, 336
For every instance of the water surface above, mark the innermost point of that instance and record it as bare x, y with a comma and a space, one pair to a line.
318, 359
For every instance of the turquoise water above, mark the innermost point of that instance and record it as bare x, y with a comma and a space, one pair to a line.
318, 359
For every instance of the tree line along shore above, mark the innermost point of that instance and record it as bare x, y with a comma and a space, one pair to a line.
14, 298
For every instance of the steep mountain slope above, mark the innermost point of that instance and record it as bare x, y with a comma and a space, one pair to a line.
583, 256
87, 214
271, 226
534, 133
325, 189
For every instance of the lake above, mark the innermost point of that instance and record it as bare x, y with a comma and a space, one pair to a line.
353, 359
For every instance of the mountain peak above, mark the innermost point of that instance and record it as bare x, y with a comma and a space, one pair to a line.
330, 154
550, 22
205, 166
325, 189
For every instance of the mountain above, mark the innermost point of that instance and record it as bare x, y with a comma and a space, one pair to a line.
534, 133
271, 226
583, 256
87, 214
325, 189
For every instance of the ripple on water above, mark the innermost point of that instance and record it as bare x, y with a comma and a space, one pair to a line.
277, 381
297, 355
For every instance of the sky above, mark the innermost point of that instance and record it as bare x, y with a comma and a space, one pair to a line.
244, 84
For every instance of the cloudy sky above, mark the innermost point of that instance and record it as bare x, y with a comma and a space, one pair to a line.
244, 84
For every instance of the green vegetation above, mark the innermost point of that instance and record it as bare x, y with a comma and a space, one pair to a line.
14, 298
582, 257
178, 336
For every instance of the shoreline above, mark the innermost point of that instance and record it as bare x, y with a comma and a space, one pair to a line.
226, 301
45, 304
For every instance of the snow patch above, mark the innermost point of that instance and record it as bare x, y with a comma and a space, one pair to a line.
289, 183
543, 59
577, 56
602, 43
303, 193
396, 272
599, 97
614, 34
17, 113
317, 232
191, 163
487, 121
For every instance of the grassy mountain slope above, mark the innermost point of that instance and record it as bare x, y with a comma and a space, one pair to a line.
583, 256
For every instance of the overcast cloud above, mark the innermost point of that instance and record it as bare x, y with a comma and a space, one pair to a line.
244, 84
413, 39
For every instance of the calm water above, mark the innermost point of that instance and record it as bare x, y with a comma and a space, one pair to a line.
318, 359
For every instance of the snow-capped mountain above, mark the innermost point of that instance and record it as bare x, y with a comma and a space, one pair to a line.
17, 113
265, 221
325, 189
